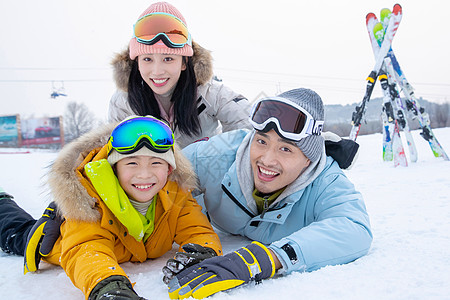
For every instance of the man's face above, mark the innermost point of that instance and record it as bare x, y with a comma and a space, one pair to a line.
276, 162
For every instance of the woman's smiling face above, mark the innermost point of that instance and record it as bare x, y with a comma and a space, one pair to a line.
161, 71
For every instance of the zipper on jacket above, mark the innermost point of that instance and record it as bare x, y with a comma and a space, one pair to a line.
265, 206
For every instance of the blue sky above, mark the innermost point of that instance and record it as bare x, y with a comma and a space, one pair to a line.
258, 46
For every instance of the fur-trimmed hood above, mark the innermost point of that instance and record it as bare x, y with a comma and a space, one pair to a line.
68, 192
203, 66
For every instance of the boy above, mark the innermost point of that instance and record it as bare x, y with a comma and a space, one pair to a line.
128, 200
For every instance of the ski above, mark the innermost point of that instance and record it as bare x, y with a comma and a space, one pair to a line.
401, 109
387, 113
389, 87
388, 118
394, 117
400, 159
418, 112
360, 109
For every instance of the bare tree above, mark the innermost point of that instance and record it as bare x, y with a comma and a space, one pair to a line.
441, 114
77, 120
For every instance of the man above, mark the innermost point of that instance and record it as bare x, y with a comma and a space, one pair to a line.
276, 186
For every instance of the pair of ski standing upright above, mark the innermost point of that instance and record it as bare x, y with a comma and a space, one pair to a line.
395, 109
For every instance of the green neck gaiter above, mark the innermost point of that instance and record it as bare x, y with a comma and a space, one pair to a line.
108, 188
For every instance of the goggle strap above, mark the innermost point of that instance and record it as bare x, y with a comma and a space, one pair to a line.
109, 147
315, 127
144, 141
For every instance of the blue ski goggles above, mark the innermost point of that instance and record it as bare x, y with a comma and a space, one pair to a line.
290, 120
134, 133
153, 27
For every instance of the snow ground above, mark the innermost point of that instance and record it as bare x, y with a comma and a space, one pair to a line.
409, 209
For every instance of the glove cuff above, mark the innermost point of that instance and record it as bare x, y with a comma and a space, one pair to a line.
265, 265
210, 252
110, 284
5, 195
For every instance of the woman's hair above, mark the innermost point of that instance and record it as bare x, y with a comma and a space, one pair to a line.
142, 99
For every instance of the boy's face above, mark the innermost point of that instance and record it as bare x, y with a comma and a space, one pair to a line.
276, 162
142, 177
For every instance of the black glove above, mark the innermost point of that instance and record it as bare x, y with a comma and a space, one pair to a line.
5, 195
252, 262
344, 151
193, 255
42, 238
115, 287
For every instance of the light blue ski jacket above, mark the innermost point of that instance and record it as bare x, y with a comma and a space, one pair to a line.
325, 223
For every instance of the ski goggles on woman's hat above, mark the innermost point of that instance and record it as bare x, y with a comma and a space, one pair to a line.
153, 27
292, 121
134, 133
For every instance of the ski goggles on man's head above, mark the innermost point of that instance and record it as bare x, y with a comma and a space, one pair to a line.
291, 121
136, 132
153, 27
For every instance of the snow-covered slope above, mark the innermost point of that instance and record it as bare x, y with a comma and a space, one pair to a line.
409, 259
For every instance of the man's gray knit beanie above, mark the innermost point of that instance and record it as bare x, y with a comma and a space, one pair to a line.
312, 146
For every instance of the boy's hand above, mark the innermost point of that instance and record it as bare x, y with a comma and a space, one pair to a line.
193, 254
115, 287
42, 238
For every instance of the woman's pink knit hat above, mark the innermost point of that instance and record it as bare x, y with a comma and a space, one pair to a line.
137, 48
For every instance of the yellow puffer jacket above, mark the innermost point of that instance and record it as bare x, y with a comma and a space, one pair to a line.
93, 242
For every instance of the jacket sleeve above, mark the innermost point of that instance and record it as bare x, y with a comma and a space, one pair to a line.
193, 227
87, 254
119, 108
339, 232
230, 108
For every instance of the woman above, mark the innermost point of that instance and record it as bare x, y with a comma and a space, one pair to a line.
167, 75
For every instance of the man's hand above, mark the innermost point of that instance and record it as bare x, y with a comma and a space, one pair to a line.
42, 238
193, 254
251, 263
344, 151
